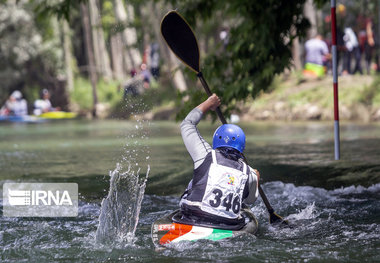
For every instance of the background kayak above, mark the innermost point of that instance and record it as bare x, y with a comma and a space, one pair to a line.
54, 115
21, 119
58, 115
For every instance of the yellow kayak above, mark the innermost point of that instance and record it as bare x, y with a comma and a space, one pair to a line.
58, 115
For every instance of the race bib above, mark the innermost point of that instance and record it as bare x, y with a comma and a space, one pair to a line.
224, 190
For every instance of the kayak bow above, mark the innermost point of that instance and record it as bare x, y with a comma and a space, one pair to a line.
166, 231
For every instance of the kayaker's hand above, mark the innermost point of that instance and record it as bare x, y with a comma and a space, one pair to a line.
214, 101
211, 103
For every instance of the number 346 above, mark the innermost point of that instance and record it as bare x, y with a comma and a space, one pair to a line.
227, 201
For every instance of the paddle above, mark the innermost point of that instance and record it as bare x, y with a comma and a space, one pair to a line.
181, 40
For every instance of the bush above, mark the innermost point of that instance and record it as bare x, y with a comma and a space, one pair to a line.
107, 92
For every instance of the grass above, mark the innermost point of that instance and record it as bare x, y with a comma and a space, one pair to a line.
352, 90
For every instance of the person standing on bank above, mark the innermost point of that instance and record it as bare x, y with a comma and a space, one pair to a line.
316, 54
222, 182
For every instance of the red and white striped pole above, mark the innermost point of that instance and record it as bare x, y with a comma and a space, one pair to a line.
335, 80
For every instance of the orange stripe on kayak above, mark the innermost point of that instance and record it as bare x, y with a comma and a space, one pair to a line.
176, 231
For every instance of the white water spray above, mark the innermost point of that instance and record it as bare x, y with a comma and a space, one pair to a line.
121, 208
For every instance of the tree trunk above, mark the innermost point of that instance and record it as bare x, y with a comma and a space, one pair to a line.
68, 54
90, 54
125, 17
310, 13
102, 60
117, 59
153, 16
296, 54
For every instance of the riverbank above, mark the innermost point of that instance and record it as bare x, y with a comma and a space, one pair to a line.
292, 97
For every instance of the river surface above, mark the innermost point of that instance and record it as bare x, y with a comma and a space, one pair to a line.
333, 206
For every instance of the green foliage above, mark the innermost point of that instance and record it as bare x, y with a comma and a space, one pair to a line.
259, 47
30, 53
108, 18
371, 94
81, 95
62, 9
112, 94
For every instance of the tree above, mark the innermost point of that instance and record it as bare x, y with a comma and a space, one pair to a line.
90, 54
310, 13
259, 45
125, 17
153, 17
30, 51
68, 54
102, 60
117, 60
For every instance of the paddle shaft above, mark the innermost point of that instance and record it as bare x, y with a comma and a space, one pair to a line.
209, 93
223, 120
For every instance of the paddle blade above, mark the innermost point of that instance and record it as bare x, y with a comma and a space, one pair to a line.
276, 219
181, 39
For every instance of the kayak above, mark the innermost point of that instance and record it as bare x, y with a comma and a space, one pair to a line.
168, 229
53, 115
58, 115
21, 119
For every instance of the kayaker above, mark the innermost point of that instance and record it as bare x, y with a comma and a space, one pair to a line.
44, 105
222, 182
15, 105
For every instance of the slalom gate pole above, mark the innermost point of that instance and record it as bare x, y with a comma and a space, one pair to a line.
335, 80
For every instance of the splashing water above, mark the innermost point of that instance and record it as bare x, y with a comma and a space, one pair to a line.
308, 212
120, 210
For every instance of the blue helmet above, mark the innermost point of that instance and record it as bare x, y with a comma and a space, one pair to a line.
229, 135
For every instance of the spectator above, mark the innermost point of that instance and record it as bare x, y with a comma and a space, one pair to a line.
352, 48
145, 75
369, 45
138, 83
155, 60
316, 54
43, 105
15, 105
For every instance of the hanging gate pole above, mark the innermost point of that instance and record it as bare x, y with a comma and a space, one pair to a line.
335, 80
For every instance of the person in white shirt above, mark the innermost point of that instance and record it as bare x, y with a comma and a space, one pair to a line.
352, 48
316, 54
43, 105
15, 105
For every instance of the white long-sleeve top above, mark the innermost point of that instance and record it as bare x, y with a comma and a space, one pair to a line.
198, 149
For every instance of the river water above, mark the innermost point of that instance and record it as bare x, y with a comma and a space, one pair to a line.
333, 206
